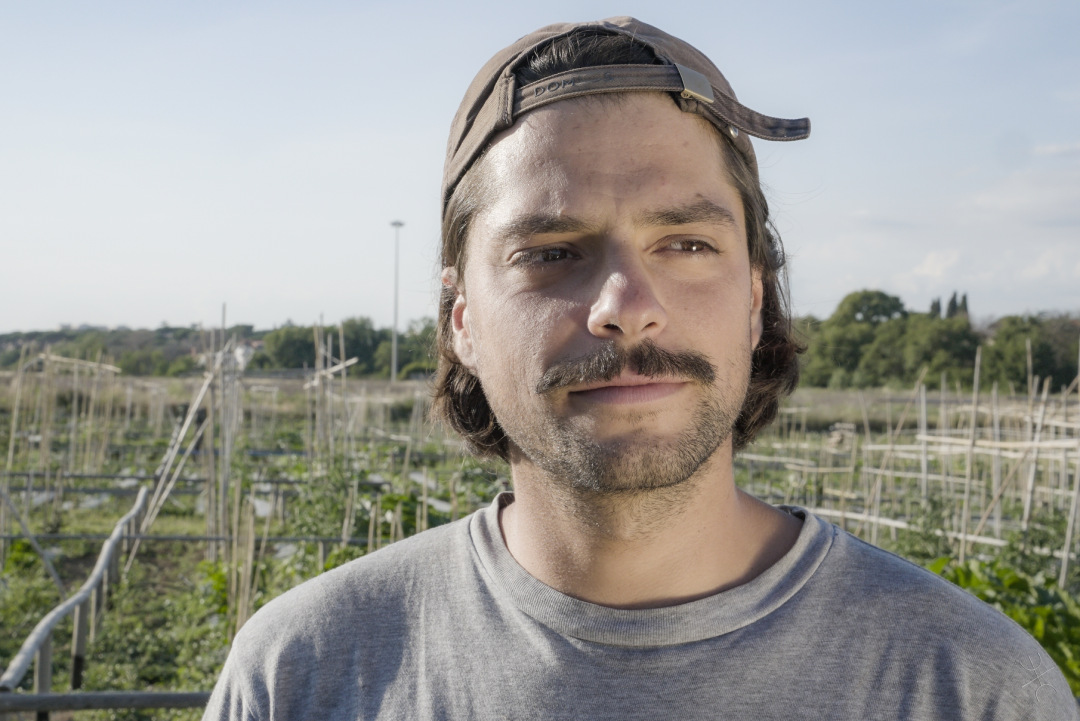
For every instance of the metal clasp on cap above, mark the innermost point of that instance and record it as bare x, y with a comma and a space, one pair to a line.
695, 85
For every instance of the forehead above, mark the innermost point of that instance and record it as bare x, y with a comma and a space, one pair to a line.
605, 159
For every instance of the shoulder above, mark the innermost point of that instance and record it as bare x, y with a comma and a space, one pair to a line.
356, 617
891, 584
925, 629
372, 586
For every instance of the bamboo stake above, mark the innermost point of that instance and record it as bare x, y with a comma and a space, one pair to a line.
1066, 550
346, 444
1001, 491
152, 512
1070, 526
875, 495
350, 506
924, 468
241, 598
996, 468
262, 546
33, 542
970, 460
74, 410
371, 524
1029, 495
11, 448
15, 409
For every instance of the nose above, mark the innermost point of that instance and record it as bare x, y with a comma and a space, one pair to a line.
627, 306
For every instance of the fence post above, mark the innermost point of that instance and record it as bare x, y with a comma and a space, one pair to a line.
114, 566
95, 609
78, 644
43, 672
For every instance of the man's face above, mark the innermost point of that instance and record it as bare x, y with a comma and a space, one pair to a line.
612, 228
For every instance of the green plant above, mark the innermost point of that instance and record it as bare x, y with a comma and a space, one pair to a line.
922, 541
171, 640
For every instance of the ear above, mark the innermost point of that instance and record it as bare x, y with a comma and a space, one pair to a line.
756, 300
459, 320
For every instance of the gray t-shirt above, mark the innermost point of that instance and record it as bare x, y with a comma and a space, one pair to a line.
447, 625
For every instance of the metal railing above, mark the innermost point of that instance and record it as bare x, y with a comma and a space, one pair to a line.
101, 700
87, 604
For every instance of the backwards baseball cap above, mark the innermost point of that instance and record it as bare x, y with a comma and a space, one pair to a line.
494, 100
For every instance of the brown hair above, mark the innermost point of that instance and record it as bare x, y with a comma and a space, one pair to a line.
459, 399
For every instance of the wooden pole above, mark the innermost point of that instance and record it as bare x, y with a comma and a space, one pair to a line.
1070, 526
43, 672
970, 460
15, 409
996, 468
74, 424
95, 610
924, 465
78, 643
5, 485
1029, 494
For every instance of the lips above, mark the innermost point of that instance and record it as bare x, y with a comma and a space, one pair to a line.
627, 388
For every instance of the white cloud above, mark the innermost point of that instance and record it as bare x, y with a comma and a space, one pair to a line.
1058, 149
936, 264
1026, 200
1042, 267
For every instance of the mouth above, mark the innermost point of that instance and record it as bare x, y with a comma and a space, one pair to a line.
626, 389
611, 370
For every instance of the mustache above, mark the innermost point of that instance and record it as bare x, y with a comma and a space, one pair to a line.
609, 361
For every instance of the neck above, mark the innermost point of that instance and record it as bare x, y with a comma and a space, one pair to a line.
644, 549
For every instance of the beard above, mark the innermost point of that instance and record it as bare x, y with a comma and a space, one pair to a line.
643, 461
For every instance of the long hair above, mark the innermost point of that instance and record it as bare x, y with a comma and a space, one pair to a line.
459, 399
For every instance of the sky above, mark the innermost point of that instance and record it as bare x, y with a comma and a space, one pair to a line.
158, 160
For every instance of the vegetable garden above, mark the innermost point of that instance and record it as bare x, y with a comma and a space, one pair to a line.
217, 493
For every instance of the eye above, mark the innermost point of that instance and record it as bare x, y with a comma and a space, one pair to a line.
540, 256
691, 245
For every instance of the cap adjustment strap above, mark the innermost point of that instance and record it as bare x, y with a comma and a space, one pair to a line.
688, 83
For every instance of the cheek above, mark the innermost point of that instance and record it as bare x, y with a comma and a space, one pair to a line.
520, 336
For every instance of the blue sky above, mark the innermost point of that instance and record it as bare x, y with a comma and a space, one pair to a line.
159, 159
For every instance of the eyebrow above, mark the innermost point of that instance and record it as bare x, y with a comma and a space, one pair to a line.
702, 211
542, 224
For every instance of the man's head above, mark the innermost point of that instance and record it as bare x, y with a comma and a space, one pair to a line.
511, 175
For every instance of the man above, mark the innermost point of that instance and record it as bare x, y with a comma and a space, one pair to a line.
613, 325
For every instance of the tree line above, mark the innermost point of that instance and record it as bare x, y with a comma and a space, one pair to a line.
178, 351
872, 340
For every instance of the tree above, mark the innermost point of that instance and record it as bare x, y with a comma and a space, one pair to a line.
1006, 352
882, 360
291, 346
935, 308
943, 345
868, 306
951, 309
361, 340
837, 347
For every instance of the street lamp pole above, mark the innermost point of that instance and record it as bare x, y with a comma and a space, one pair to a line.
393, 339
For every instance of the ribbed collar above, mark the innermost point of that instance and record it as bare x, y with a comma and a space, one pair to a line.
694, 621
